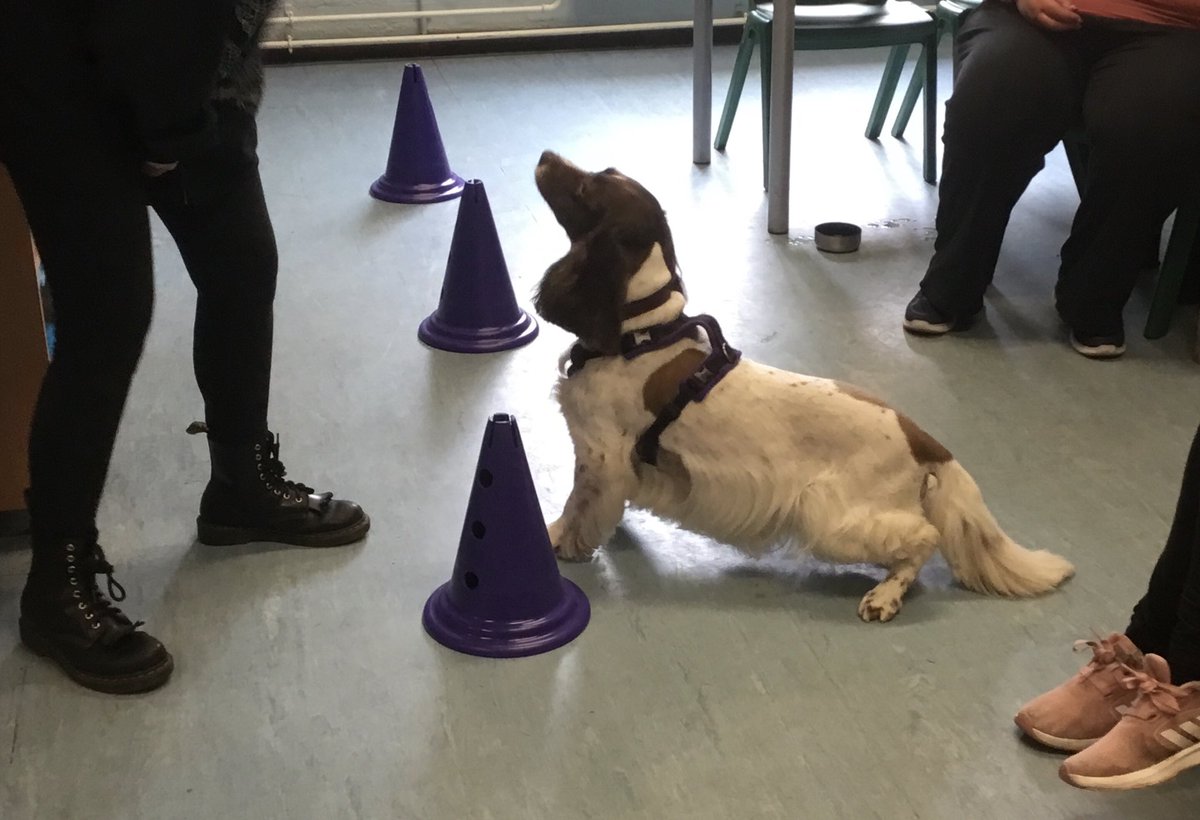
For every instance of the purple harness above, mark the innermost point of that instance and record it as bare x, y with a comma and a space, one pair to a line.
694, 388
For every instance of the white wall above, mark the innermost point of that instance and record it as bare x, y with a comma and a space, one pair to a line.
570, 13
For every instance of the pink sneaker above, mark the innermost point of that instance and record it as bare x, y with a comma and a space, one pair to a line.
1157, 738
1077, 713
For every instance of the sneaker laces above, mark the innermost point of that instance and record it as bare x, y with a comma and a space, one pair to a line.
1154, 696
1106, 655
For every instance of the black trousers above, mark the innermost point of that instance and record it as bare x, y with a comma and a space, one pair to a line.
1167, 619
1135, 89
77, 172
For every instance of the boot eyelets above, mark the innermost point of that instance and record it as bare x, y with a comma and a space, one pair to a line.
70, 547
90, 616
75, 593
74, 581
95, 624
82, 605
258, 456
70, 559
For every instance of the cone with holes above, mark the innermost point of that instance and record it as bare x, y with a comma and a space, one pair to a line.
477, 311
417, 169
506, 598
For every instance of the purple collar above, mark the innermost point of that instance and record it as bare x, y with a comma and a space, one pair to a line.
654, 301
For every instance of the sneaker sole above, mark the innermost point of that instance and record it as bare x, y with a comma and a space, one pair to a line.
1061, 744
920, 327
1100, 353
1160, 772
219, 535
146, 681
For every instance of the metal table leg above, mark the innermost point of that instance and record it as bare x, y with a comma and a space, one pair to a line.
779, 150
702, 56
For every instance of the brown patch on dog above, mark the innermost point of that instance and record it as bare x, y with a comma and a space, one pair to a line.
663, 385
924, 447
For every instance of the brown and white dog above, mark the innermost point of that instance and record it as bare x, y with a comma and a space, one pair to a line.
768, 457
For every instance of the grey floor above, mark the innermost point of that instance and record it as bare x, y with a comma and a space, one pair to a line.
707, 686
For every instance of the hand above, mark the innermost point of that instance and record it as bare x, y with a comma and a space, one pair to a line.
1055, 15
157, 169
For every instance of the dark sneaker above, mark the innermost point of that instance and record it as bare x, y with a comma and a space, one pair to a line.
1099, 347
923, 319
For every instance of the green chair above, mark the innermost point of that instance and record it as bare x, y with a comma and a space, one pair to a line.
1185, 234
948, 16
824, 25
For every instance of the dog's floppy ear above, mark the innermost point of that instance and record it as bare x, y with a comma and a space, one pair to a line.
584, 291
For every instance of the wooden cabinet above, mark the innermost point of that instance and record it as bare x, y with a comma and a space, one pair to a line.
23, 355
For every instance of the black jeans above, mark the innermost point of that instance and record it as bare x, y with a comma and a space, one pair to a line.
77, 172
1167, 619
1135, 88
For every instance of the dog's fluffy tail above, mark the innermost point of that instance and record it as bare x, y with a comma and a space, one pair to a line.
982, 557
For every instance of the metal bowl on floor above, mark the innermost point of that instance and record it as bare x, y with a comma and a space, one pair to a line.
838, 237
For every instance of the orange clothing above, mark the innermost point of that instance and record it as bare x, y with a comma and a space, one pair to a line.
1178, 13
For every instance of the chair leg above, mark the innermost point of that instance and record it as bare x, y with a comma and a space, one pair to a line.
931, 99
1184, 234
887, 90
741, 66
909, 103
764, 61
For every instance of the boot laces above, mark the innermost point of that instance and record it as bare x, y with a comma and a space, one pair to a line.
272, 471
94, 604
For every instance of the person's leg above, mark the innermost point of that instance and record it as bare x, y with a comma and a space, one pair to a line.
215, 209
1174, 587
87, 212
1183, 651
1142, 115
1019, 88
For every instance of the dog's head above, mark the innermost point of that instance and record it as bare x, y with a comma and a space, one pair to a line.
613, 224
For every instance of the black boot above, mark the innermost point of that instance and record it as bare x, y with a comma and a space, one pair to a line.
248, 500
65, 617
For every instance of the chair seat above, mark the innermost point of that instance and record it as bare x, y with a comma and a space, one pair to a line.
890, 14
824, 26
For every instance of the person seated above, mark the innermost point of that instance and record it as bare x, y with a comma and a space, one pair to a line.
1029, 71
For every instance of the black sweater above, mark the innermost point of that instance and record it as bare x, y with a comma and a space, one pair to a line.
169, 59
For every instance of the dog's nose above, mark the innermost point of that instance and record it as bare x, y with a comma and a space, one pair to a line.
547, 158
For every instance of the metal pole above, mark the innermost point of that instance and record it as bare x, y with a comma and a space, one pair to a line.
780, 136
702, 57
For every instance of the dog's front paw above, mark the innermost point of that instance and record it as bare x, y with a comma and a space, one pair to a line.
567, 546
879, 605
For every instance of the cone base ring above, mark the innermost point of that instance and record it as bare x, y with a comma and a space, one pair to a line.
491, 638
417, 193
436, 333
